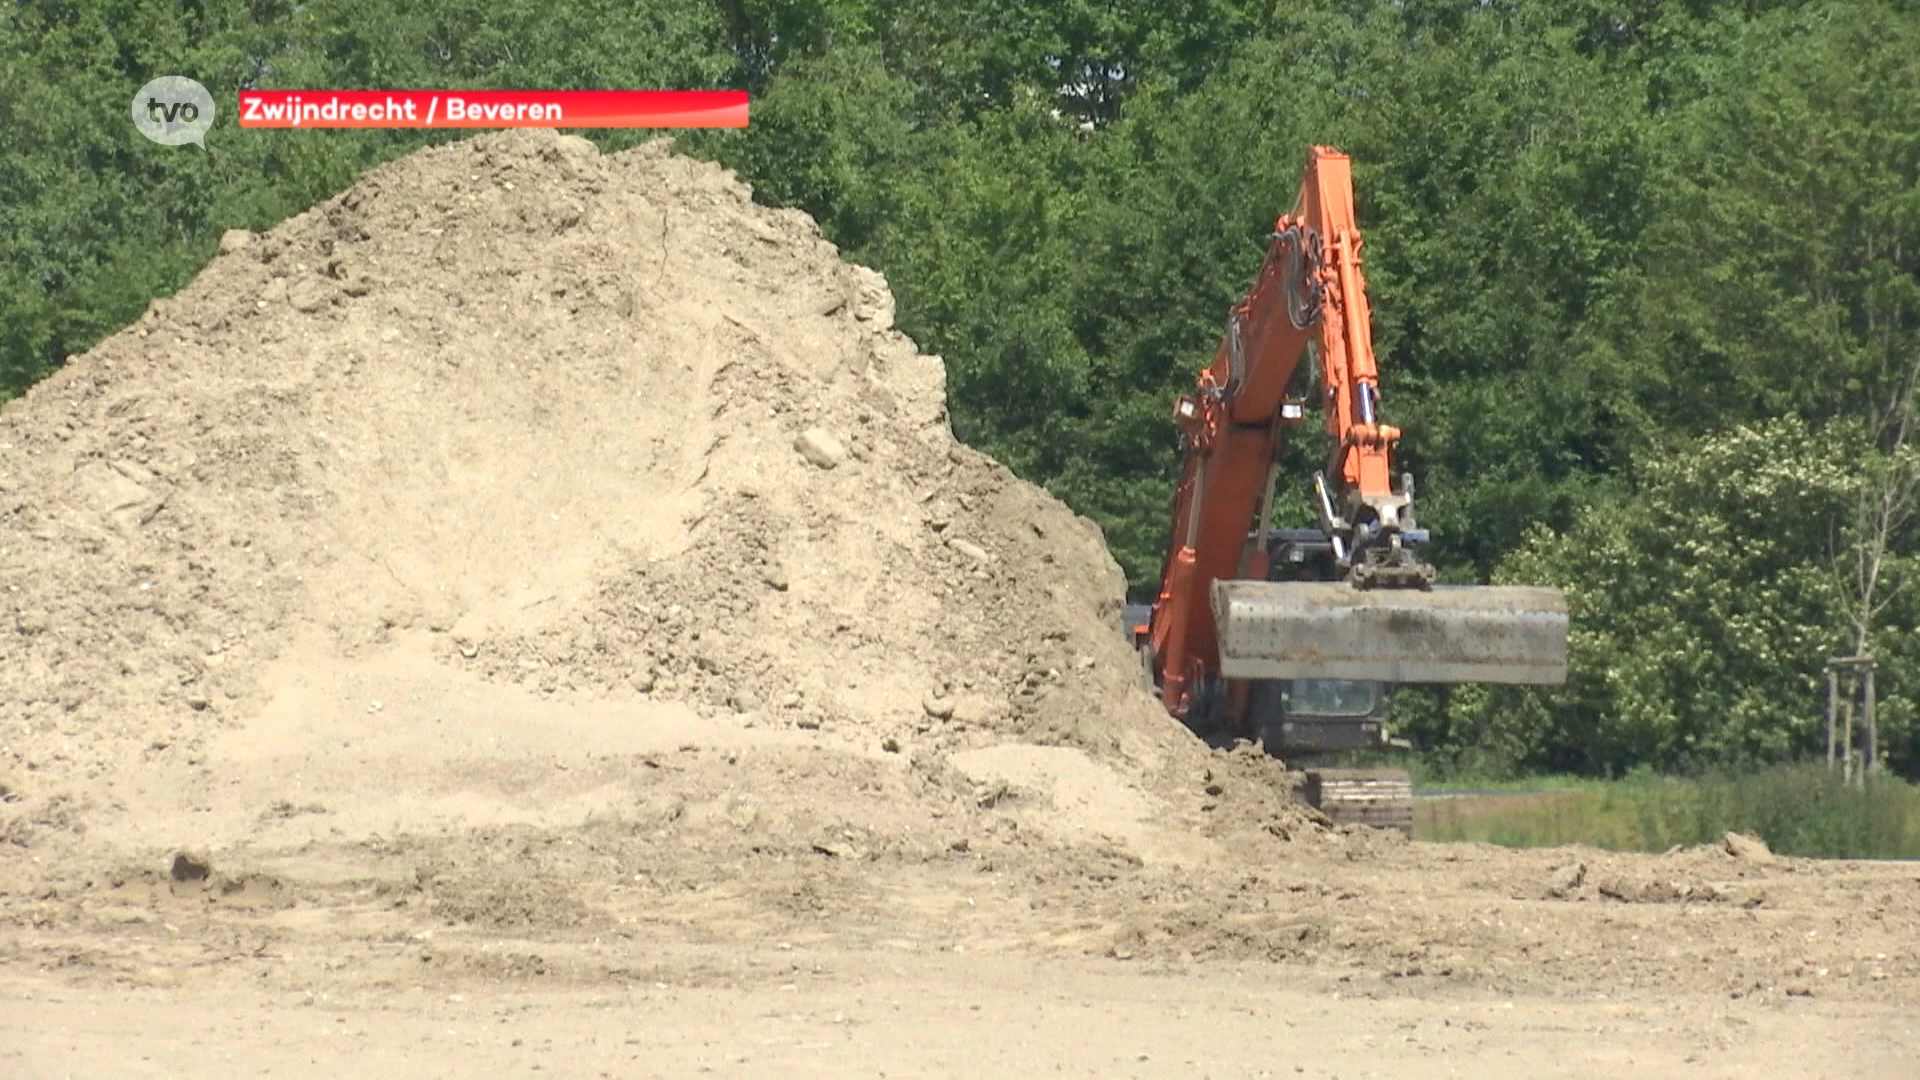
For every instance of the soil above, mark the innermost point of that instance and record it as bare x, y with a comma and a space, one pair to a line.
530, 612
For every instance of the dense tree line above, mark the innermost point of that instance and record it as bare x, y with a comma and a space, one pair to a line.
1646, 275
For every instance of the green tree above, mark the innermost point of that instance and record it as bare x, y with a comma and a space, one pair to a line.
1704, 606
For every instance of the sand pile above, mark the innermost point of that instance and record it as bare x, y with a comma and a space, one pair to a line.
595, 425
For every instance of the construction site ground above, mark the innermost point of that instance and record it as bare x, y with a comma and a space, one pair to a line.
530, 614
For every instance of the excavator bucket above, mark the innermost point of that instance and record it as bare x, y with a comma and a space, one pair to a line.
1449, 634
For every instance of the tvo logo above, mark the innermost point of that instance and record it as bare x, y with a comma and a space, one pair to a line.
174, 110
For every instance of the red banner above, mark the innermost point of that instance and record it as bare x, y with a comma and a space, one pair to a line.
493, 108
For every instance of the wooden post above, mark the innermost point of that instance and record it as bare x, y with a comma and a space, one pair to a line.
1833, 703
1856, 672
1873, 735
1846, 736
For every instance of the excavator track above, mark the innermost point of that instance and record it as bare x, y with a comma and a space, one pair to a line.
1380, 798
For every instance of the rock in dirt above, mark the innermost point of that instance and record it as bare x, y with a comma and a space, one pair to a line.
1565, 880
973, 710
1747, 848
188, 866
820, 448
309, 295
971, 550
1659, 890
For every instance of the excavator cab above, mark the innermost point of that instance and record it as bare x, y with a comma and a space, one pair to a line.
1320, 716
1334, 699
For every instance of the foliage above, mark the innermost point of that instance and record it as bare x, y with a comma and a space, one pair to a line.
1703, 608
1799, 810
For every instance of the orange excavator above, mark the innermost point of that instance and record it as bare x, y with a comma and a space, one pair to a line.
1295, 636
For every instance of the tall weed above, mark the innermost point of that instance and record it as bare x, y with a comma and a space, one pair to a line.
1797, 810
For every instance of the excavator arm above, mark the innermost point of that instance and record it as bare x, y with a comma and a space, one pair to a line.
1219, 622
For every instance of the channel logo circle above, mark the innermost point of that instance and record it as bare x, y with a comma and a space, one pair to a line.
174, 110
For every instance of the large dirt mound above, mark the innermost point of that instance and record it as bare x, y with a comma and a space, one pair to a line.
597, 425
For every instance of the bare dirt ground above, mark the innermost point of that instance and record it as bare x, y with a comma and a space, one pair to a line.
862, 1014
530, 614
626, 946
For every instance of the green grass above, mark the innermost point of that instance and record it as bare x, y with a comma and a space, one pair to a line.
1797, 810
